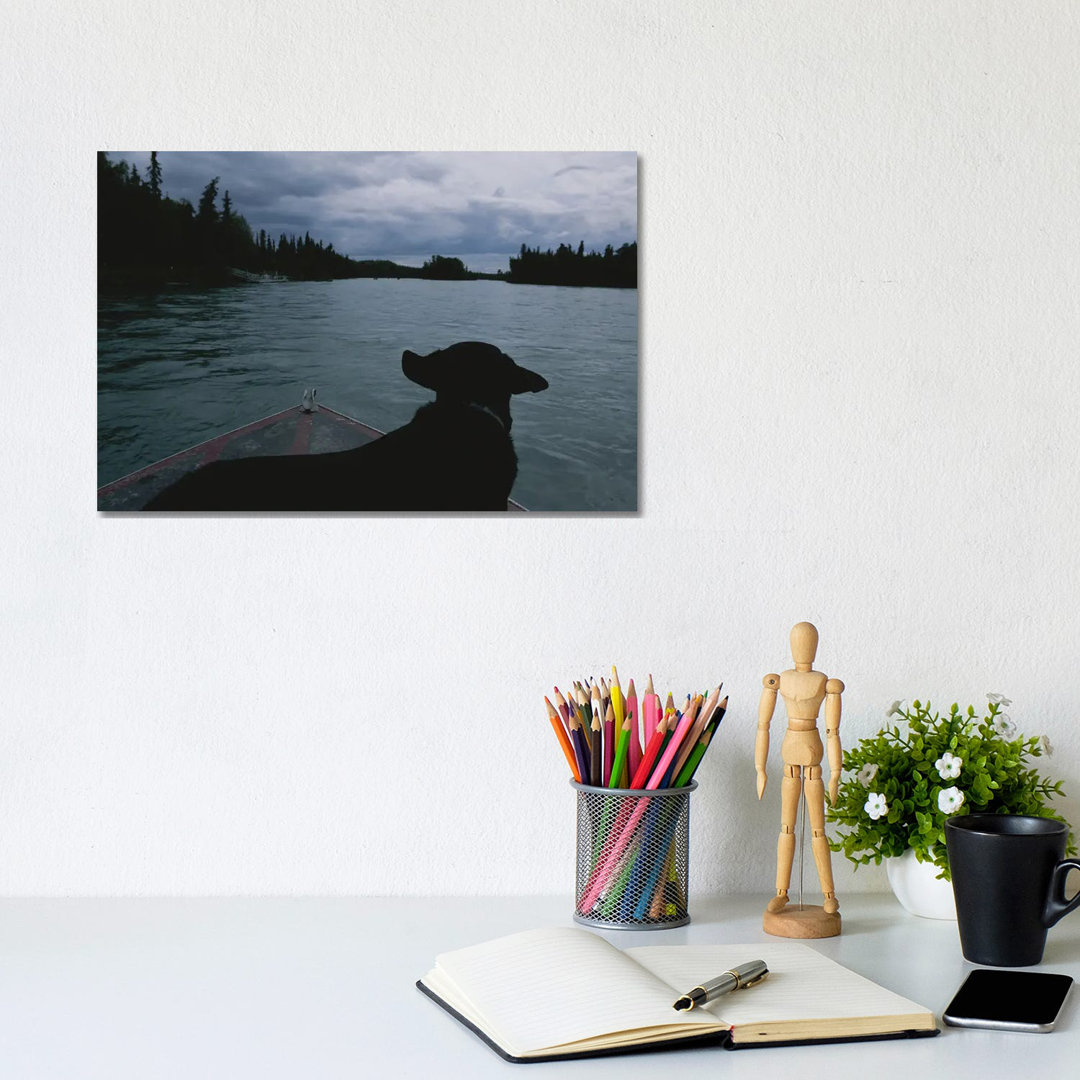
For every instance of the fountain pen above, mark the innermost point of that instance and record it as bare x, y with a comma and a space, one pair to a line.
738, 978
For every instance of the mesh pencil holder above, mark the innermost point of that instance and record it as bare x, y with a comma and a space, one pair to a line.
633, 857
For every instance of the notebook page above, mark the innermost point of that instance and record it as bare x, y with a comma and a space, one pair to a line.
545, 988
802, 984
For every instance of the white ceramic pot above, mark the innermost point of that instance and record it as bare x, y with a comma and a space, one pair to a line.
917, 886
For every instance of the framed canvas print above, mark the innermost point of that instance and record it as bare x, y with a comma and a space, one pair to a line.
367, 332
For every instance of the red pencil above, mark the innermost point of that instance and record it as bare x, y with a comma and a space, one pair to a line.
648, 758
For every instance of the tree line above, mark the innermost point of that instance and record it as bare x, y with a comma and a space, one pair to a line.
146, 236
614, 268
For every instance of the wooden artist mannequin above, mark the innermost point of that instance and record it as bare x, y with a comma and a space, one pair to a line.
803, 691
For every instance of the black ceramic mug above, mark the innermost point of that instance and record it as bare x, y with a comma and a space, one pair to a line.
1008, 877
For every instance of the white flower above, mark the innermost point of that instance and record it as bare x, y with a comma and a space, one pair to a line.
1003, 725
876, 806
1047, 748
895, 709
866, 774
948, 766
998, 699
950, 800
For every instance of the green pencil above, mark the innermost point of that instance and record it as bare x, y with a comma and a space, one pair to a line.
622, 748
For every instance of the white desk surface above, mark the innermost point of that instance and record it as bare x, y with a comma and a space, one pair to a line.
307, 989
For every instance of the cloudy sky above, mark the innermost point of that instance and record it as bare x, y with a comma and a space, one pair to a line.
415, 205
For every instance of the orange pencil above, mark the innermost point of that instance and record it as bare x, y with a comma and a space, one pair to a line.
564, 740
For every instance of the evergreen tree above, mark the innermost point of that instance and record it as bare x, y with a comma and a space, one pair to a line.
207, 211
155, 175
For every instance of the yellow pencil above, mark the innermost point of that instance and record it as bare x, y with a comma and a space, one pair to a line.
617, 703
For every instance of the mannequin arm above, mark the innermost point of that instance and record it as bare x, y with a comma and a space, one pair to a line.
761, 745
833, 689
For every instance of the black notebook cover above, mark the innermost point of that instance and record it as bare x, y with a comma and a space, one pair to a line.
713, 1038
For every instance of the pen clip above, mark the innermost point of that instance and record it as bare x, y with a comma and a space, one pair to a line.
754, 981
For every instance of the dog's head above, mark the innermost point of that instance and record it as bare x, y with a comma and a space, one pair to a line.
472, 372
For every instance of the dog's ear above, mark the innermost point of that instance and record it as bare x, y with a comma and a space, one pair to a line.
524, 381
421, 369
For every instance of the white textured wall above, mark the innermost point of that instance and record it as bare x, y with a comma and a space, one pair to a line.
859, 389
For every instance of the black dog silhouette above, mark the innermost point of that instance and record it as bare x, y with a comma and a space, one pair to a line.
455, 454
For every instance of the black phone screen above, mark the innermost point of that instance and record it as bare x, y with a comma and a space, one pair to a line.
1021, 1000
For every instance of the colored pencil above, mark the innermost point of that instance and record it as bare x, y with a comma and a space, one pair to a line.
698, 753
564, 740
692, 762
609, 743
622, 749
672, 748
648, 758
586, 714
634, 757
704, 714
564, 709
596, 755
581, 747
617, 702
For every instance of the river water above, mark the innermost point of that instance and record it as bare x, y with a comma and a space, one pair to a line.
179, 366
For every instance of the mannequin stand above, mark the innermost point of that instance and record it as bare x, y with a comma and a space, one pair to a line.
802, 921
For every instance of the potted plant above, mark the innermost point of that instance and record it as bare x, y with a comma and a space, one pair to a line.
899, 787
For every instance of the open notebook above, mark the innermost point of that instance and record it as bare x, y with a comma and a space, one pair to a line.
567, 992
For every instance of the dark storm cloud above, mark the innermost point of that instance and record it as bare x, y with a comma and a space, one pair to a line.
421, 203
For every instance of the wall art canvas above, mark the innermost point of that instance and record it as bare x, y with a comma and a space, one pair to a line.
368, 332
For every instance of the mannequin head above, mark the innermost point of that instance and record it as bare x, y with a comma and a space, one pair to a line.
804, 642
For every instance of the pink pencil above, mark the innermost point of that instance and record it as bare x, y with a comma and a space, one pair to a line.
635, 732
670, 750
603, 875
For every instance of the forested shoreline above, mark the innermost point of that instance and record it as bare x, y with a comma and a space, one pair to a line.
148, 239
614, 268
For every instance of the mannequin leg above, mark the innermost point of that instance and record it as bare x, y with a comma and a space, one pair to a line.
790, 790
815, 804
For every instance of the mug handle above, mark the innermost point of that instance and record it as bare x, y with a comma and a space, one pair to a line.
1056, 904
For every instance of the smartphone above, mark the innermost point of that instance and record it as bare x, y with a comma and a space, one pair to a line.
1013, 1000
